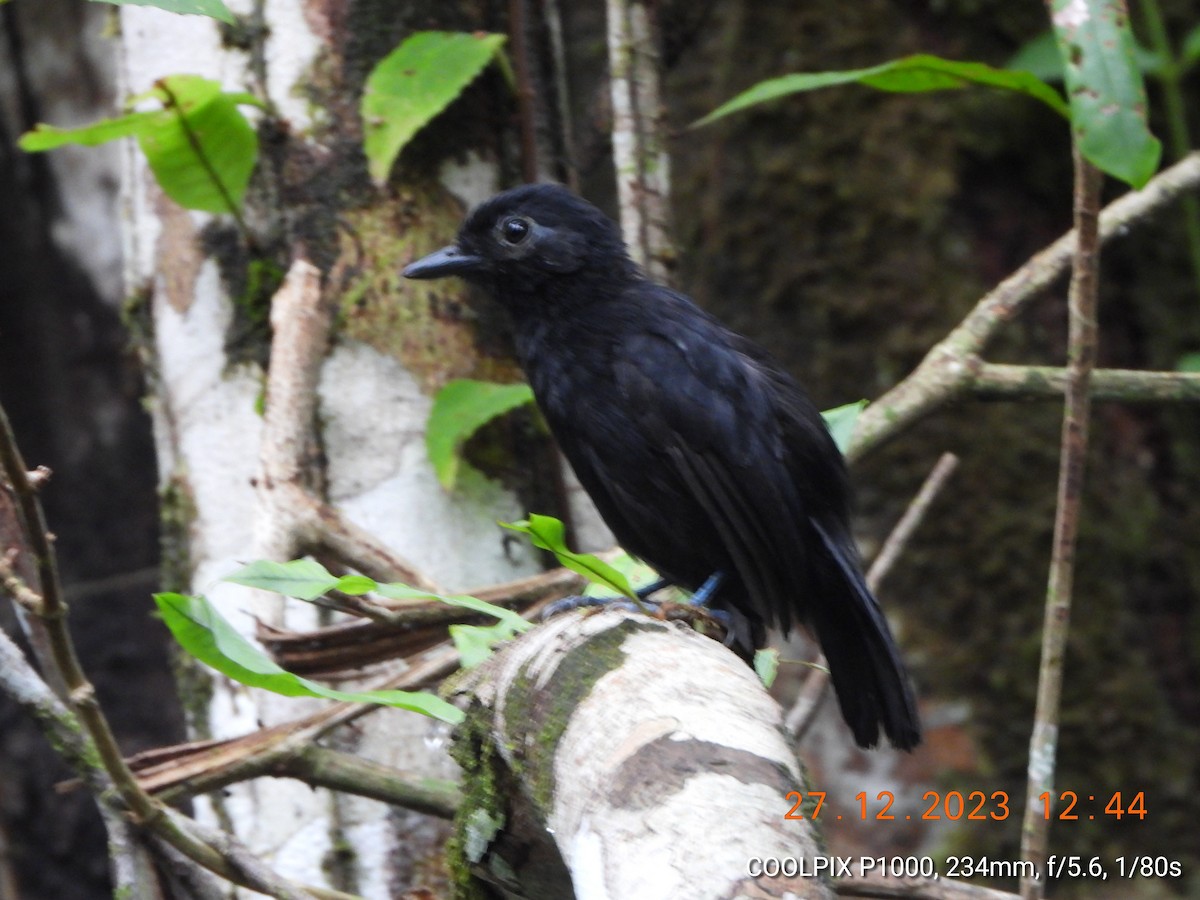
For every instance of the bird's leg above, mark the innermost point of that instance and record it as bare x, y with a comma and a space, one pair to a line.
652, 588
640, 604
704, 593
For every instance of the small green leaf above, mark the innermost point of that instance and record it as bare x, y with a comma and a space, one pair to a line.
475, 643
1189, 362
199, 146
396, 591
841, 422
1189, 51
636, 572
912, 74
1104, 86
307, 579
1038, 56
215, 9
547, 533
204, 150
206, 635
414, 83
48, 137
766, 665
460, 409
304, 579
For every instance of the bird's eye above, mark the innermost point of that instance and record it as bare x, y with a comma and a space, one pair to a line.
515, 230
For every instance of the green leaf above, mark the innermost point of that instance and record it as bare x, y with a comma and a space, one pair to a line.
1104, 87
307, 579
460, 409
1038, 56
1189, 362
205, 150
199, 146
636, 572
48, 137
1041, 57
841, 422
766, 665
1189, 51
414, 83
912, 74
215, 9
475, 643
396, 591
206, 635
547, 533
304, 579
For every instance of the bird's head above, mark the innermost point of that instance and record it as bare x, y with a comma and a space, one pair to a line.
525, 237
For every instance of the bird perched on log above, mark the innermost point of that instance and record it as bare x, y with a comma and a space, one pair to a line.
705, 458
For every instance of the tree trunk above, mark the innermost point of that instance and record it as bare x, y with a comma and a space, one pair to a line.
356, 441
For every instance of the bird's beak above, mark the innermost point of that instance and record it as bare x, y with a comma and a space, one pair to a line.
447, 261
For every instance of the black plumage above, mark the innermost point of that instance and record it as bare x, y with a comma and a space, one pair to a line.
699, 451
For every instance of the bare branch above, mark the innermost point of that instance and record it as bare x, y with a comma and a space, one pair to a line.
994, 381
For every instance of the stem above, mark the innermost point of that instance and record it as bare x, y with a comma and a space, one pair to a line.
1043, 744
517, 27
1175, 109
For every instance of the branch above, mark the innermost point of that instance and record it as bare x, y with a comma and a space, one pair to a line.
610, 760
290, 518
82, 733
1043, 744
946, 371
995, 381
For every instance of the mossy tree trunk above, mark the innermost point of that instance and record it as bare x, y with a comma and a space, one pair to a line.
206, 290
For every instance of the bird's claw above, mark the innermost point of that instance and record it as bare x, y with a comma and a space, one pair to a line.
714, 623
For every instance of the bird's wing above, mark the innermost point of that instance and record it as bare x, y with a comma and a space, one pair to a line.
713, 413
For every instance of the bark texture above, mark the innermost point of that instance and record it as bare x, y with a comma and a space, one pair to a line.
630, 757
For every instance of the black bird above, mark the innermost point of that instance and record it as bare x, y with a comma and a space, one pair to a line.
704, 457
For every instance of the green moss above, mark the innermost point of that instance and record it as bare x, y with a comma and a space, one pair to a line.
428, 325
481, 764
536, 719
538, 716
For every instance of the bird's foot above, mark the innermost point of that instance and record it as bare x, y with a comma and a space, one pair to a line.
695, 610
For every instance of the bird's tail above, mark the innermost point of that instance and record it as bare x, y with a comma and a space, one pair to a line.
869, 678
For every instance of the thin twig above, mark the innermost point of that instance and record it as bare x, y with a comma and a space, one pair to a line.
913, 516
519, 46
93, 751
562, 92
1043, 744
814, 690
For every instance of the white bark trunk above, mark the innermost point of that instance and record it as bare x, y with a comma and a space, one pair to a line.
371, 412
